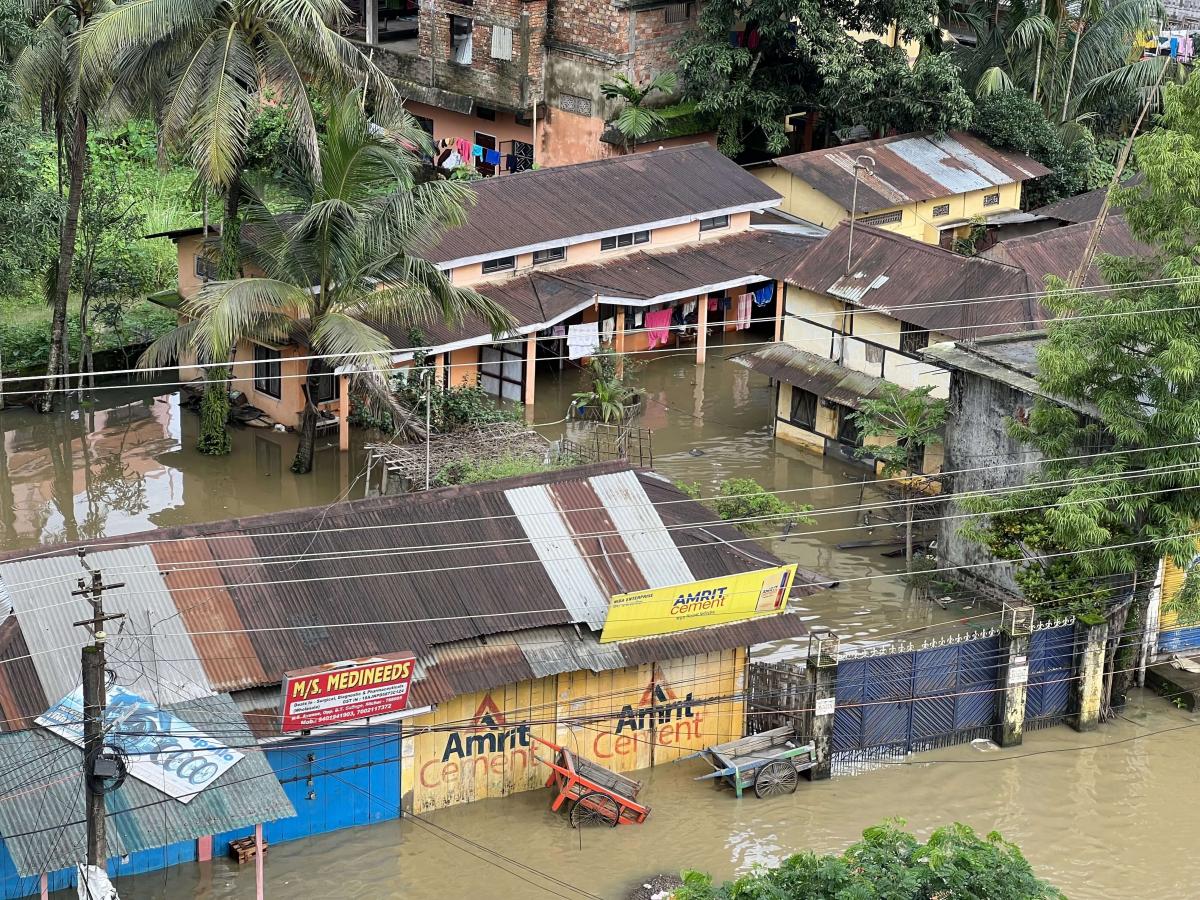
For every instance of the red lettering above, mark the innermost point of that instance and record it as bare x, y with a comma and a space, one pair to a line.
625, 745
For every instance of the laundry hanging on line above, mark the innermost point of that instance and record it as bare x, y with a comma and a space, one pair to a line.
658, 327
583, 340
607, 328
744, 303
762, 296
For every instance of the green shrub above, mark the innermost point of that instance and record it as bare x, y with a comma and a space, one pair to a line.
746, 499
475, 471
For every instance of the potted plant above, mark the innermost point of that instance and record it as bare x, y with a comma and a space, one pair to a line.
609, 398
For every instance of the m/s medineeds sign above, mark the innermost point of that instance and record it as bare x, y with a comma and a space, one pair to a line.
347, 690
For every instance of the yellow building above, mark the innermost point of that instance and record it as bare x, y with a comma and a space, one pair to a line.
858, 316
925, 186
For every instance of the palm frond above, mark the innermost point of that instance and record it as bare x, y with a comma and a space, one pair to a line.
994, 81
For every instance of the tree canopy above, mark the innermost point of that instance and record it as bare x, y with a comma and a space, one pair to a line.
890, 864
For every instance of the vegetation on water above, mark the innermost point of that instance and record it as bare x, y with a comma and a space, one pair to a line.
475, 471
610, 389
890, 864
749, 505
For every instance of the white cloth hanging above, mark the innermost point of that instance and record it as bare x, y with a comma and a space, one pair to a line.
583, 340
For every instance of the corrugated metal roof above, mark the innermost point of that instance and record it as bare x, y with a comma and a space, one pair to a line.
551, 538
640, 525
473, 566
48, 614
919, 283
553, 651
1082, 207
621, 192
910, 167
139, 816
1058, 252
822, 376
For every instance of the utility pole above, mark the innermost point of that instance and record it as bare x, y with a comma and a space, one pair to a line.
866, 163
95, 697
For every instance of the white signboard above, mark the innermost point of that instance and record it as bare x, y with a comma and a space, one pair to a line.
1018, 675
826, 706
164, 751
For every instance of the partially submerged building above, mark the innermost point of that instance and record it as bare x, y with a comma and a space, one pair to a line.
500, 591
928, 187
630, 253
859, 316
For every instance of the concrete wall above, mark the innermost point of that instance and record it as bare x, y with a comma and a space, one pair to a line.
977, 439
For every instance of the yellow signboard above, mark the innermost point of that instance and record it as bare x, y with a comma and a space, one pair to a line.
716, 601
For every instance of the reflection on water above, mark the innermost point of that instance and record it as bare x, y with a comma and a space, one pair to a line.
1067, 808
127, 465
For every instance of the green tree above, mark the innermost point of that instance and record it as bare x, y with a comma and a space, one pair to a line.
216, 56
890, 864
903, 423
875, 86
1011, 120
28, 208
749, 90
1131, 358
341, 261
636, 120
50, 73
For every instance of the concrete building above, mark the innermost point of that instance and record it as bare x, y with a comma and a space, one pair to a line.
523, 77
927, 187
660, 253
849, 327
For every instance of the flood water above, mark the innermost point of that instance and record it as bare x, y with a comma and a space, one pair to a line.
1110, 814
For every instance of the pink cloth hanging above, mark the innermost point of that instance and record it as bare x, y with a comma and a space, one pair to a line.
712, 304
658, 326
744, 304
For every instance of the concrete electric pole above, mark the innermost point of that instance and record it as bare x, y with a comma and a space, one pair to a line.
95, 696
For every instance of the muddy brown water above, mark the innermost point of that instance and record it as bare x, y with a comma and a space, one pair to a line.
1111, 814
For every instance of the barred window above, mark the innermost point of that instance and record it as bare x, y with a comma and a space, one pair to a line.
571, 103
941, 210
889, 218
677, 13
991, 199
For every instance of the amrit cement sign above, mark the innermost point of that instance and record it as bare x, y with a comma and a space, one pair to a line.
345, 691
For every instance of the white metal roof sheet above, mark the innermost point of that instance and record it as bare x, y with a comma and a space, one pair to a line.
649, 542
164, 668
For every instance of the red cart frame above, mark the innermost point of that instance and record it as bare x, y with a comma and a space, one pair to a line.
599, 796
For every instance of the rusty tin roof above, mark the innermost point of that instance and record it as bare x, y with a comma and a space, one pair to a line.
1058, 252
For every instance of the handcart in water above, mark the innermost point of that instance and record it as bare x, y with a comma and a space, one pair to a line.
598, 796
770, 762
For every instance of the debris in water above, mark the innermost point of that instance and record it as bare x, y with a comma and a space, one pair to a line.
695, 452
983, 745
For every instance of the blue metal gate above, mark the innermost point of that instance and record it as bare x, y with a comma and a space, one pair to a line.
1051, 667
892, 703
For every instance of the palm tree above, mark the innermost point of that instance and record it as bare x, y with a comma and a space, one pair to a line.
636, 121
341, 262
50, 76
1070, 56
216, 57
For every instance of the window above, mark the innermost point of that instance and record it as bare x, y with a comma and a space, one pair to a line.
520, 159
487, 164
942, 209
323, 385
676, 13
486, 112
550, 254
848, 431
714, 223
628, 239
426, 124
206, 268
991, 199
571, 103
267, 371
890, 218
804, 408
503, 264
501, 42
913, 338
461, 43
502, 370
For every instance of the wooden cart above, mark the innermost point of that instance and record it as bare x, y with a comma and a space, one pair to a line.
598, 796
770, 762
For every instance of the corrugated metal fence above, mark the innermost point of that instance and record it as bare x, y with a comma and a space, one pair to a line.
890, 704
1051, 665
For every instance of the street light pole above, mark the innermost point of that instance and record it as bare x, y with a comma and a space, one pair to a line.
862, 161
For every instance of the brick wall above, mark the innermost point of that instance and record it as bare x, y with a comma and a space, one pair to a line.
654, 41
595, 25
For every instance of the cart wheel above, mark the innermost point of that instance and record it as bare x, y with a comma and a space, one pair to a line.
776, 778
595, 809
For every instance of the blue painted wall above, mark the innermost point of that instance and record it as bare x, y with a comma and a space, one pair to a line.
335, 781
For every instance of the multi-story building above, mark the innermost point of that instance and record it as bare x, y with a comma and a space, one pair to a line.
522, 76
928, 187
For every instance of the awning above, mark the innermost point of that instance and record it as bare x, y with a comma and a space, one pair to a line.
823, 377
